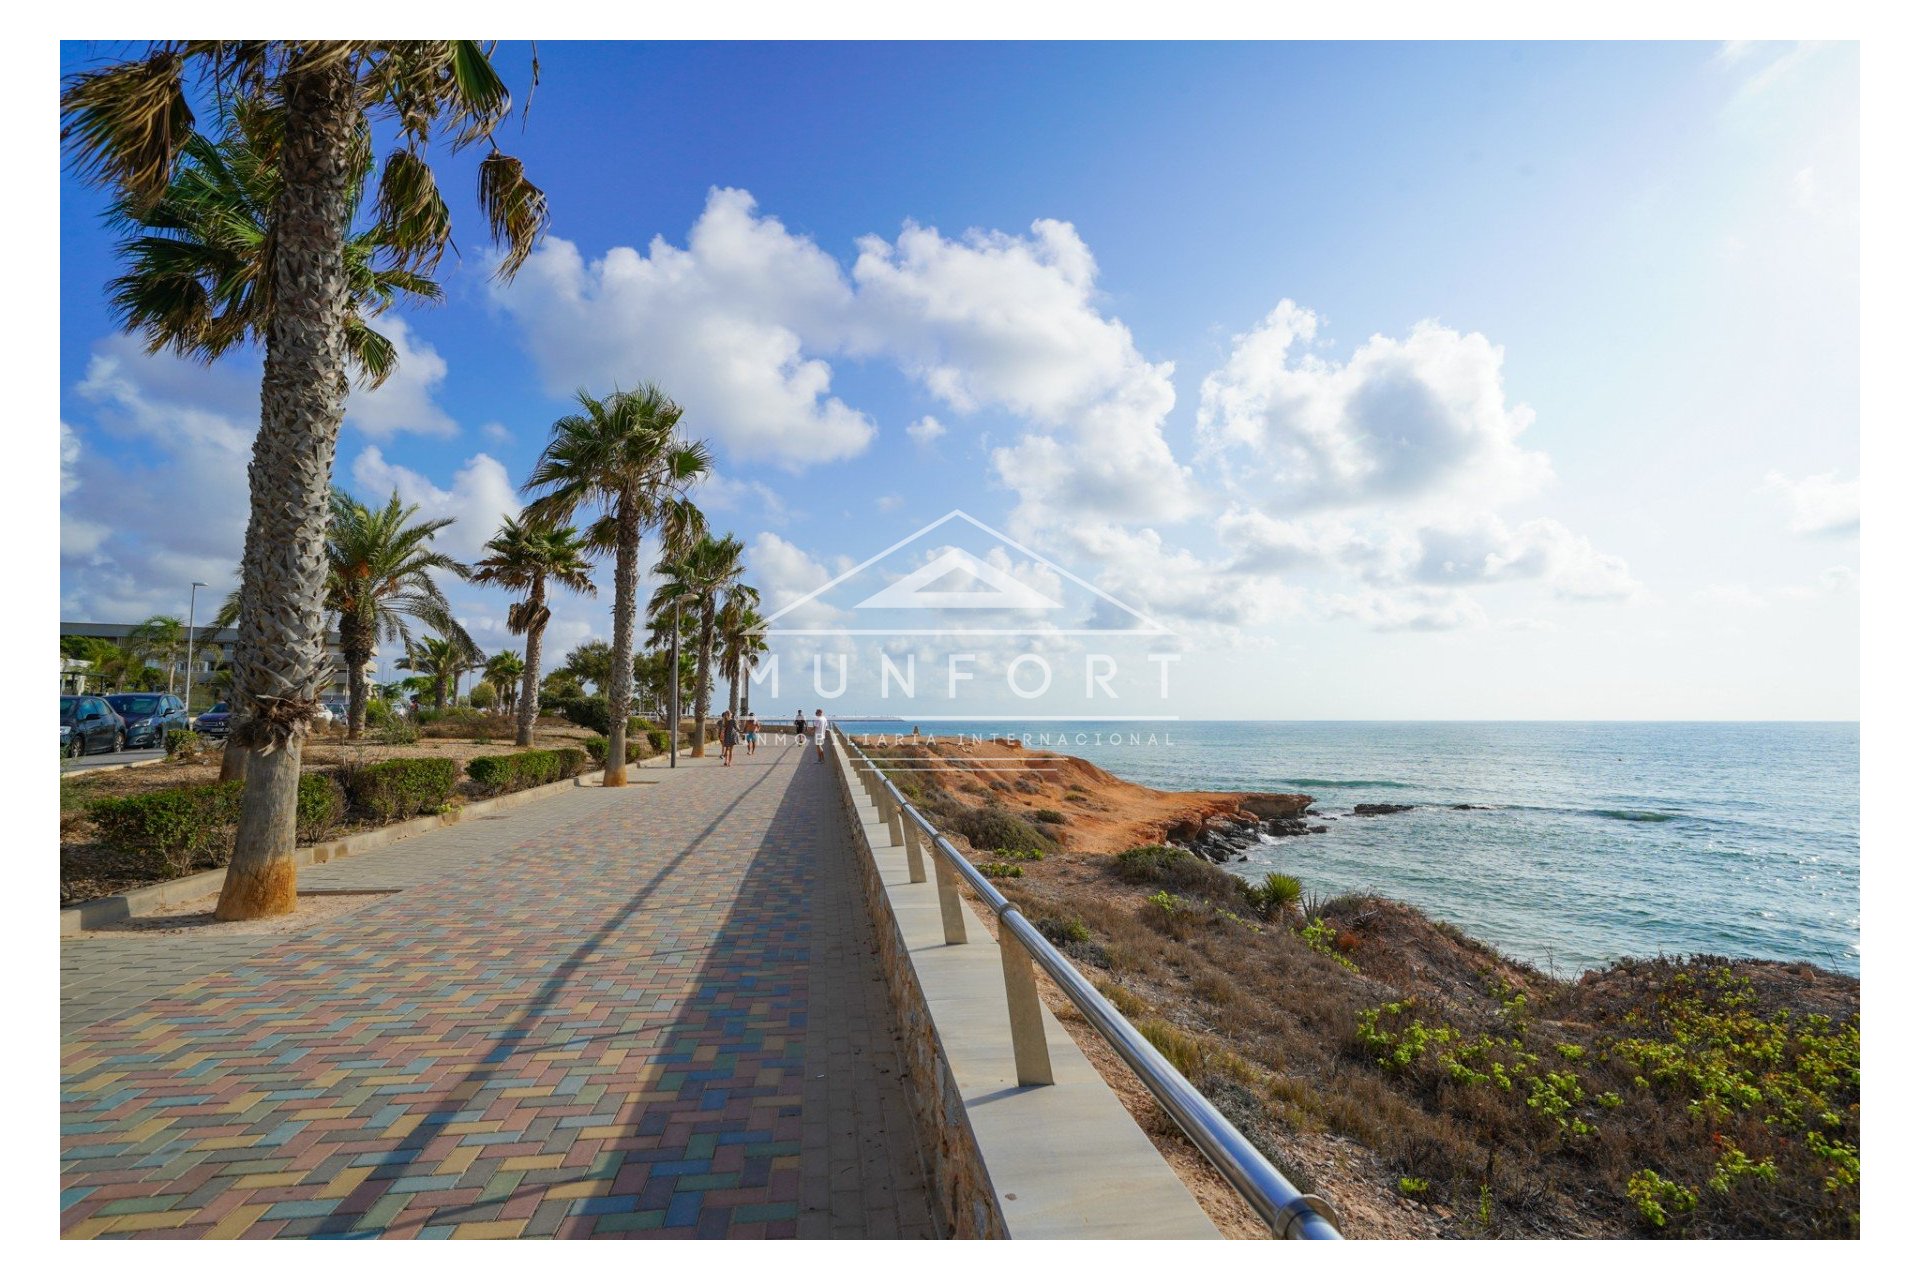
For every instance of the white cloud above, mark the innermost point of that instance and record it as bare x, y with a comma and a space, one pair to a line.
717, 492
1402, 421
1484, 549
888, 502
723, 325
497, 432
1412, 609
785, 575
1822, 504
480, 498
404, 402
926, 430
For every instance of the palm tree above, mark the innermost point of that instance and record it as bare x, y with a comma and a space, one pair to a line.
625, 455
503, 669
127, 125
442, 661
591, 662
196, 279
160, 639
380, 573
742, 641
707, 571
526, 556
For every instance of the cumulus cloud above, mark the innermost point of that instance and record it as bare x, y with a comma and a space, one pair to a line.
926, 430
785, 575
1402, 420
480, 498
404, 402
497, 432
1817, 505
1411, 609
724, 324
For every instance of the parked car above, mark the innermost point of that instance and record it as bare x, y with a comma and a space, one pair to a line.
148, 716
212, 723
323, 714
88, 724
338, 706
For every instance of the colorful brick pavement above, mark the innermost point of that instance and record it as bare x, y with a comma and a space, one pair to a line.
654, 1013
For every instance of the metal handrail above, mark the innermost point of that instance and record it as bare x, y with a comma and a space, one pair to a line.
1289, 1212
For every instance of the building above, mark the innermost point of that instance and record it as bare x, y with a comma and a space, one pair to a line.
74, 676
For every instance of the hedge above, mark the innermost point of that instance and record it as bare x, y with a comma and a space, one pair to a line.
395, 789
657, 739
637, 750
497, 775
169, 830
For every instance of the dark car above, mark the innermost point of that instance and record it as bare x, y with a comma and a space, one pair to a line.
148, 716
88, 724
212, 723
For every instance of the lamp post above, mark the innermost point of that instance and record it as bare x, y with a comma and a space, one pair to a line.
673, 692
193, 595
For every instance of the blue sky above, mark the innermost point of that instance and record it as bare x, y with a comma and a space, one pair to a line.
1401, 380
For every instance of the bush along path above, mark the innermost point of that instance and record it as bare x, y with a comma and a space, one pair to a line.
172, 832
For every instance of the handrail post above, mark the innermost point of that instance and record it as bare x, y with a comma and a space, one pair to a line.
916, 861
895, 822
1031, 1063
953, 916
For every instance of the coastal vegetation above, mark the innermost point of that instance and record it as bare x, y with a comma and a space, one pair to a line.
1430, 1086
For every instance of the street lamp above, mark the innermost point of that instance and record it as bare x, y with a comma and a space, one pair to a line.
193, 594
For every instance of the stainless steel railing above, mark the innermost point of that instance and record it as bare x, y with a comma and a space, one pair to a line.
1290, 1213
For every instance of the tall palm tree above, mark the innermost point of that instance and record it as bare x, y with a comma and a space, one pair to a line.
625, 455
197, 259
441, 660
708, 570
127, 125
742, 642
160, 639
380, 571
503, 671
526, 556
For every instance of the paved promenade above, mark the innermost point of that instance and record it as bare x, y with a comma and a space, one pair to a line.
644, 1012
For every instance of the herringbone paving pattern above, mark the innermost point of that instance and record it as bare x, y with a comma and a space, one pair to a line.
648, 1012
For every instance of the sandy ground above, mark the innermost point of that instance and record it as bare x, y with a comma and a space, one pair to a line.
196, 916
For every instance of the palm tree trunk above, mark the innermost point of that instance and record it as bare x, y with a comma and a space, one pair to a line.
303, 394
703, 686
356, 647
626, 593
529, 707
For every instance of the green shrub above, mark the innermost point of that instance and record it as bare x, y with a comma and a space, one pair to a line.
379, 714
396, 789
167, 832
657, 739
182, 744
498, 775
993, 827
1049, 816
589, 711
1276, 895
1169, 865
397, 732
596, 749
1001, 871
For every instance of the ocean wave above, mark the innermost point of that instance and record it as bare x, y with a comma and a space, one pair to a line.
1342, 782
1633, 815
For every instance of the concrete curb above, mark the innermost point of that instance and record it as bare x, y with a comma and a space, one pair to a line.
110, 768
135, 902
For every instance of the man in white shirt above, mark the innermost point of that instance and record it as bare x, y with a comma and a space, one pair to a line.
819, 734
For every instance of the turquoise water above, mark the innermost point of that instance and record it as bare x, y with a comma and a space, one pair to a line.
1597, 840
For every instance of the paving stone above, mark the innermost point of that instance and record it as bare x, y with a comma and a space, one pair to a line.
611, 1013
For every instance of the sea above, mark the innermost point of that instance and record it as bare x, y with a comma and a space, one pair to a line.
1578, 843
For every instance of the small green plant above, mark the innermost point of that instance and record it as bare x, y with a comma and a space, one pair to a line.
1060, 931
1321, 937
1001, 871
1414, 1188
1486, 1207
397, 732
1050, 816
1276, 895
1659, 1201
183, 744
1020, 855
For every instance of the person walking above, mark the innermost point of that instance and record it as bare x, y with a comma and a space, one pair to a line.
729, 734
819, 733
799, 727
750, 729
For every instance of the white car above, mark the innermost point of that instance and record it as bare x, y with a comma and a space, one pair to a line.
323, 715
